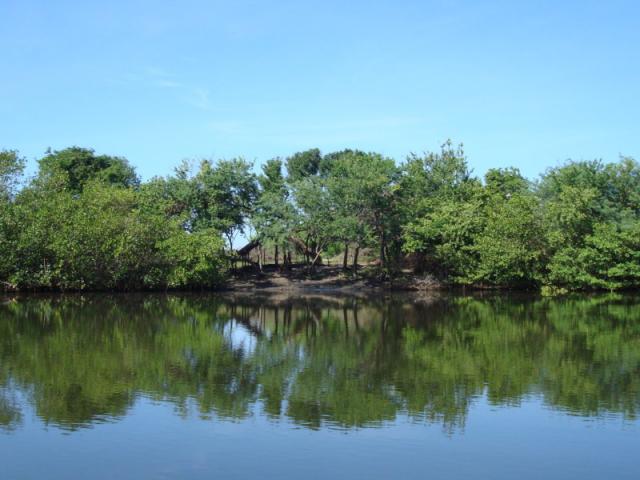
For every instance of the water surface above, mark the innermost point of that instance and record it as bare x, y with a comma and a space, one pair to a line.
205, 386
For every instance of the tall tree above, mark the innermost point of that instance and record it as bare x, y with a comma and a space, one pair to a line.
303, 164
442, 174
274, 217
362, 187
440, 205
316, 228
11, 169
511, 246
225, 193
505, 182
76, 166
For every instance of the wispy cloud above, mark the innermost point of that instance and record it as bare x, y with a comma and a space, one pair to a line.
226, 127
303, 132
158, 77
155, 77
199, 97
167, 84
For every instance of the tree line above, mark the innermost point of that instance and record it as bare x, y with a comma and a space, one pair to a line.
87, 221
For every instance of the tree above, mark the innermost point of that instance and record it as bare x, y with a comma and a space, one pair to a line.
85, 221
303, 164
11, 169
624, 177
193, 260
272, 179
609, 259
441, 212
225, 193
444, 237
505, 182
173, 196
76, 166
511, 245
571, 216
97, 240
316, 212
362, 188
274, 217
442, 174
591, 211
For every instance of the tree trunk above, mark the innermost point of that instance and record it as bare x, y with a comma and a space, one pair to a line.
345, 259
276, 256
317, 259
355, 259
306, 251
388, 257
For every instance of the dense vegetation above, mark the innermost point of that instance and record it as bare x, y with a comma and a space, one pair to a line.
86, 221
350, 363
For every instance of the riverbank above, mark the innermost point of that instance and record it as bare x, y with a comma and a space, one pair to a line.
327, 279
322, 280
271, 279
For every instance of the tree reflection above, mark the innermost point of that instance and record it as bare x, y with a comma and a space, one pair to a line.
316, 361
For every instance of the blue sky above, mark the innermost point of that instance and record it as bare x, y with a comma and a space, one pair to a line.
527, 84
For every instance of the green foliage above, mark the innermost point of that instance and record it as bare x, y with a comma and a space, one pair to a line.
77, 166
614, 187
224, 195
444, 236
194, 259
316, 215
274, 217
98, 240
609, 259
362, 187
592, 211
508, 233
303, 164
441, 175
583, 174
571, 215
80, 226
505, 182
511, 246
11, 168
343, 198
85, 221
272, 180
441, 205
624, 178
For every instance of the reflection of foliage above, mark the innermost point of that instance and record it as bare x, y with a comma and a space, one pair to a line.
10, 415
351, 363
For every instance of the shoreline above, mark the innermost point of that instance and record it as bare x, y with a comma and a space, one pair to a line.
331, 280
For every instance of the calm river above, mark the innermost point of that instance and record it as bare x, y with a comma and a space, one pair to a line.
205, 386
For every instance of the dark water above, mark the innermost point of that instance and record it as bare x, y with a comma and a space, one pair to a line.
136, 387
